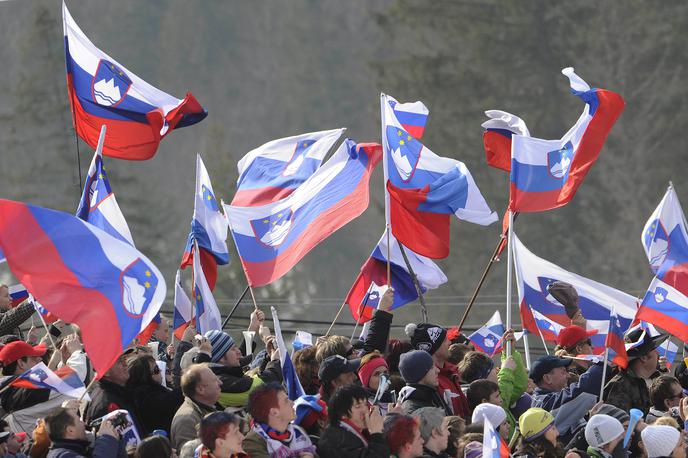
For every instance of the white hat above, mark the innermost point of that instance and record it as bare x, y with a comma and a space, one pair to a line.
495, 414
660, 440
602, 429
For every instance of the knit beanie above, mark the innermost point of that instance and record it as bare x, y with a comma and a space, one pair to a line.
414, 365
601, 429
221, 343
495, 414
534, 423
660, 440
309, 409
425, 336
473, 449
615, 412
369, 363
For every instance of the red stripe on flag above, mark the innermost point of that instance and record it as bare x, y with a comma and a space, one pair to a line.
677, 327
497, 150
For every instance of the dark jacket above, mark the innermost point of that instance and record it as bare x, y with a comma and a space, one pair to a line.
378, 333
13, 399
421, 396
155, 406
337, 442
430, 454
11, 319
626, 390
589, 382
106, 397
104, 447
182, 347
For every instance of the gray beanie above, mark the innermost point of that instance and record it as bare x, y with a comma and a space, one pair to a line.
414, 364
221, 342
660, 440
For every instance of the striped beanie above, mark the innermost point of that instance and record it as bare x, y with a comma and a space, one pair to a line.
221, 342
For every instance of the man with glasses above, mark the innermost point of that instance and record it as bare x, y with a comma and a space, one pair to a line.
573, 341
109, 393
665, 393
335, 372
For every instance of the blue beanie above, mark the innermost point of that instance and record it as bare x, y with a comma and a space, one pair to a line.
221, 343
414, 364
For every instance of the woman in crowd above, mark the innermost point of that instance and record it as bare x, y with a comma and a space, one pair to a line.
220, 434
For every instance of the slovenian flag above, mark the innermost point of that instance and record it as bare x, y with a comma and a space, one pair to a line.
272, 238
371, 283
183, 308
18, 294
499, 130
545, 174
208, 228
291, 379
411, 115
207, 314
488, 338
83, 275
274, 170
424, 189
549, 329
615, 341
64, 380
494, 445
98, 204
104, 92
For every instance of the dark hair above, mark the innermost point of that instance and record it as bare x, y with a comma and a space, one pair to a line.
474, 366
57, 421
661, 390
479, 390
306, 366
399, 431
140, 371
215, 425
3, 425
457, 352
154, 447
539, 447
395, 348
456, 426
262, 399
343, 400
464, 440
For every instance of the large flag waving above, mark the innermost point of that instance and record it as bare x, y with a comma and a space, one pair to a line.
208, 228
83, 275
98, 204
424, 189
272, 238
102, 91
545, 174
368, 288
207, 314
274, 170
596, 300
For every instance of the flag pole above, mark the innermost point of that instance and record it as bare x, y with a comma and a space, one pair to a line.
383, 100
76, 139
526, 346
231, 312
248, 281
335, 318
604, 372
47, 331
493, 259
544, 344
510, 260
423, 307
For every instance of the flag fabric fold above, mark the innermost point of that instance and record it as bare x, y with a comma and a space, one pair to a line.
208, 228
272, 238
494, 446
98, 204
64, 380
102, 91
412, 116
207, 314
615, 341
83, 275
291, 379
424, 189
488, 338
18, 294
371, 283
274, 170
183, 308
546, 174
549, 329
534, 274
666, 307
497, 137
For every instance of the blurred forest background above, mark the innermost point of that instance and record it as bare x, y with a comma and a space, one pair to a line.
265, 70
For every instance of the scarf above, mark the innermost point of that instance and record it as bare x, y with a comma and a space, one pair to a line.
290, 443
353, 429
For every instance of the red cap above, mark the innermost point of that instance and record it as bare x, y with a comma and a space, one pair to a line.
453, 333
19, 349
21, 437
572, 335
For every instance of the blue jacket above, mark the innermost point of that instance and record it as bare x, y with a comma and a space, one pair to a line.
590, 382
105, 447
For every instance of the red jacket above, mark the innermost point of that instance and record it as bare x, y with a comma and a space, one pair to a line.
449, 380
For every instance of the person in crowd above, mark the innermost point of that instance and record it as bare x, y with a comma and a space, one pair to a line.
421, 375
311, 415
68, 439
469, 445
663, 441
573, 341
476, 365
201, 389
665, 394
395, 349
183, 353
110, 392
12, 318
455, 426
226, 362
604, 435
161, 335
327, 346
550, 374
355, 428
457, 352
273, 434
155, 446
13, 443
306, 367
496, 416
433, 430
403, 436
629, 387
220, 436
380, 324
538, 435
373, 367
433, 339
25, 405
335, 372
154, 405
482, 390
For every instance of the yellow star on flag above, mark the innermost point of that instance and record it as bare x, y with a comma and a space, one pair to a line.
401, 142
147, 284
148, 273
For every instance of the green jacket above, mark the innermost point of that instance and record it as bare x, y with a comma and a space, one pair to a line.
512, 384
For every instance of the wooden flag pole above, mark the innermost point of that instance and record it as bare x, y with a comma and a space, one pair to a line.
421, 298
335, 319
231, 312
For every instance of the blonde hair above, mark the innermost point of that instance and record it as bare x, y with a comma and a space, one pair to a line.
331, 345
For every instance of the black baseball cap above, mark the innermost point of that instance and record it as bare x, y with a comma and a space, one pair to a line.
545, 364
336, 365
